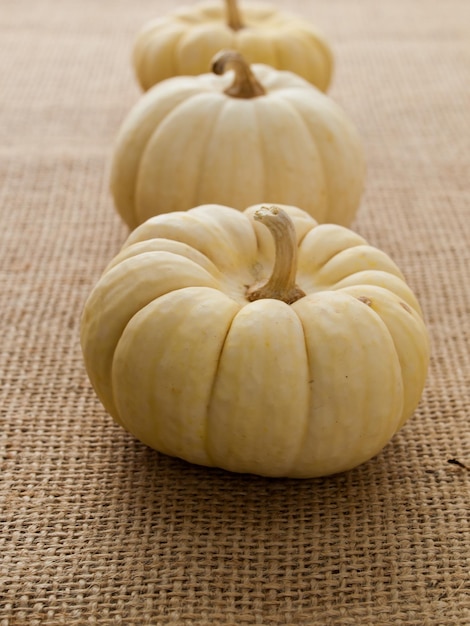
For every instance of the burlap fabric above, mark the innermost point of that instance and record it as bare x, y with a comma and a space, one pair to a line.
98, 529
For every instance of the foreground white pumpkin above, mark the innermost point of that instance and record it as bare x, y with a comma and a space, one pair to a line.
237, 139
184, 42
312, 373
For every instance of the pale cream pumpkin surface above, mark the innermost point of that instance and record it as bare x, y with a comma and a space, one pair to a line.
255, 341
238, 138
184, 42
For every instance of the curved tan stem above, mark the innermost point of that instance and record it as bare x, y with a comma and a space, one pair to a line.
234, 19
281, 284
245, 84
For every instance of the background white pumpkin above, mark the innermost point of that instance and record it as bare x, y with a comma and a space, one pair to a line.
184, 42
237, 139
197, 346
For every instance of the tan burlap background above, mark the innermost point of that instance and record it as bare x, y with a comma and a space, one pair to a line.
98, 529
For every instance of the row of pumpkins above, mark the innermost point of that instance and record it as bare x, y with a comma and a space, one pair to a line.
270, 339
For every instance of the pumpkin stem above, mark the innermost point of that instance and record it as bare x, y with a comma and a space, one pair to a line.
245, 84
281, 284
234, 19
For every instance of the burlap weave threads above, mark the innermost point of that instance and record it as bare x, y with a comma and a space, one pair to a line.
98, 529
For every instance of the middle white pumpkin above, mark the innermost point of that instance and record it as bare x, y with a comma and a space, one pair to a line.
238, 137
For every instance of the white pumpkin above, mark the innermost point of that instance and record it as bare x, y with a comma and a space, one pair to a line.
184, 42
243, 137
297, 353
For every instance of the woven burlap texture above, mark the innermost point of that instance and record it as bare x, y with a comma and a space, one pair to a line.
98, 529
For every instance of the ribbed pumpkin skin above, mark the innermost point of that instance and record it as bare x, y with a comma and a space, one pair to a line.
183, 43
187, 143
181, 359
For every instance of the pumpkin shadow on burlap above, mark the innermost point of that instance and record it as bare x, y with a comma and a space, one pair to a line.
212, 545
206, 538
